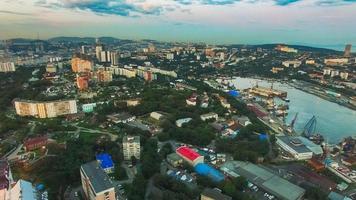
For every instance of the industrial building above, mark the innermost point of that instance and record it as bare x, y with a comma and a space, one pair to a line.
190, 156
46, 109
299, 147
206, 170
262, 178
96, 183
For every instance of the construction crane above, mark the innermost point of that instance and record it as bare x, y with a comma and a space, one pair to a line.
309, 128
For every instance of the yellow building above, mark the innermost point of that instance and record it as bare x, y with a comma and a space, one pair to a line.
45, 109
81, 63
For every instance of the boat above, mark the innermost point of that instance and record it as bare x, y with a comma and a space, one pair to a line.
317, 138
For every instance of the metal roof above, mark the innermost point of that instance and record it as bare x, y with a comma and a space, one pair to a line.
99, 180
264, 179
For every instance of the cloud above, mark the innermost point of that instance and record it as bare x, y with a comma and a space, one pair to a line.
285, 2
13, 12
105, 7
218, 2
334, 3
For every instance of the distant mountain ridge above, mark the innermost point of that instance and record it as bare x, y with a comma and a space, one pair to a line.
113, 40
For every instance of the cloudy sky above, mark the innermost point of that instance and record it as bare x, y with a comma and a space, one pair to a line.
315, 22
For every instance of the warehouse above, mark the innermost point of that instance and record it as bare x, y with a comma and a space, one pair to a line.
269, 182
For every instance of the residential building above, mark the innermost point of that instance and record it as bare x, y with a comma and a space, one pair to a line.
182, 121
96, 184
98, 49
286, 49
105, 57
157, 115
81, 63
105, 162
35, 143
114, 58
23, 190
121, 118
89, 107
129, 73
189, 155
208, 116
51, 68
82, 82
334, 73
292, 63
336, 61
103, 75
344, 75
347, 52
213, 194
7, 67
47, 109
170, 56
310, 62
133, 102
327, 71
174, 159
131, 147
5, 179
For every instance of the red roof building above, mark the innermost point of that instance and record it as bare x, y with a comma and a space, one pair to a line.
189, 155
35, 143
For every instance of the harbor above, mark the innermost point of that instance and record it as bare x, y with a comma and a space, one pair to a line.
333, 121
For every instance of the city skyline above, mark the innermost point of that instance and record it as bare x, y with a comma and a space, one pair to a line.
321, 23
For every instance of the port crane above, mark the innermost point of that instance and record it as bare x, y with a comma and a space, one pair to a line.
309, 128
293, 121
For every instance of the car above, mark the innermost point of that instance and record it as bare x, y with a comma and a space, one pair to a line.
76, 194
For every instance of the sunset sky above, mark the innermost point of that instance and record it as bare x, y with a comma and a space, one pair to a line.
313, 22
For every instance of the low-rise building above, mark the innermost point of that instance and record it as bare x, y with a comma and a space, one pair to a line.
157, 115
182, 121
131, 147
96, 184
292, 63
35, 143
23, 190
174, 159
336, 61
208, 116
295, 147
7, 67
190, 156
121, 118
213, 194
264, 179
133, 102
105, 162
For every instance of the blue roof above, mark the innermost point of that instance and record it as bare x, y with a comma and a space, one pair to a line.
105, 160
263, 136
206, 170
234, 93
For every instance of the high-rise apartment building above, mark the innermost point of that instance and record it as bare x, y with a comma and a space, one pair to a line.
81, 63
96, 184
82, 82
131, 147
45, 109
103, 75
7, 67
98, 49
347, 52
114, 58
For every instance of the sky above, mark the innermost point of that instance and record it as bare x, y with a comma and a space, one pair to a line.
314, 22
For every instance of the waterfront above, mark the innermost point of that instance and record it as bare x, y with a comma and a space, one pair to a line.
334, 122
